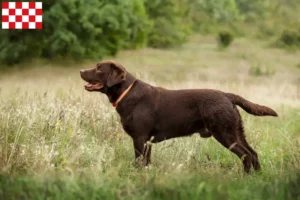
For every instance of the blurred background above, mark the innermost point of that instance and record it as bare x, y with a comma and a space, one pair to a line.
94, 29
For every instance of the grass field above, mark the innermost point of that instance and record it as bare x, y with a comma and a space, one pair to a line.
58, 141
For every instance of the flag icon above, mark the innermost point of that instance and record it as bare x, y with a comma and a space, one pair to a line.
22, 15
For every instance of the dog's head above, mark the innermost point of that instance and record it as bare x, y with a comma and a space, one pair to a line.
106, 74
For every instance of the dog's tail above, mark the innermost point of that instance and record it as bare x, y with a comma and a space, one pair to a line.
250, 107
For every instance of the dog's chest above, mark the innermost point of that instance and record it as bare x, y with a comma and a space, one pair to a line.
127, 123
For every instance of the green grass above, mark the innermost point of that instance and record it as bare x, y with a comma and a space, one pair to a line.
58, 141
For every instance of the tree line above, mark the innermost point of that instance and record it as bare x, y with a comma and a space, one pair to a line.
89, 29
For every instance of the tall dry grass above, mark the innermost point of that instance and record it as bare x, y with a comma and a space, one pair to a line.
52, 129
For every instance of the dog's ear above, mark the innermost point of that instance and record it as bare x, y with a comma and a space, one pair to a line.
117, 75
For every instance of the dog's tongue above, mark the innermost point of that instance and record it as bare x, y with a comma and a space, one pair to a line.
96, 86
89, 85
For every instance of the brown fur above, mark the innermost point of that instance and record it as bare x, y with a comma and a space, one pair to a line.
157, 114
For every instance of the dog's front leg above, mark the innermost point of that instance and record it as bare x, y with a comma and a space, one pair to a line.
142, 150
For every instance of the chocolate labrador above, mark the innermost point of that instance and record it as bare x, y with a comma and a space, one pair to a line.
152, 114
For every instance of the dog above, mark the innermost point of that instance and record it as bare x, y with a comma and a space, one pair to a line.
153, 114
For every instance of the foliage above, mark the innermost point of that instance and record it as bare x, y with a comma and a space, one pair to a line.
225, 10
169, 28
225, 38
76, 29
289, 38
206, 15
255, 9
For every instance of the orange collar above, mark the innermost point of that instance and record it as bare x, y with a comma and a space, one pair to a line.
115, 104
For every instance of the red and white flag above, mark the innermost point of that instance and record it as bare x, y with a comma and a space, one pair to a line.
22, 15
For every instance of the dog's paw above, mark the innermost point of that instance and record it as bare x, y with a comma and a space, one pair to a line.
141, 162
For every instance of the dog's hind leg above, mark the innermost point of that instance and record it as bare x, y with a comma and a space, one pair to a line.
255, 161
228, 138
242, 138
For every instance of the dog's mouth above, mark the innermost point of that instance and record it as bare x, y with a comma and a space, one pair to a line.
93, 86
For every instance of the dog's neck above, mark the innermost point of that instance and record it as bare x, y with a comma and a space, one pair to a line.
114, 92
123, 94
129, 80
